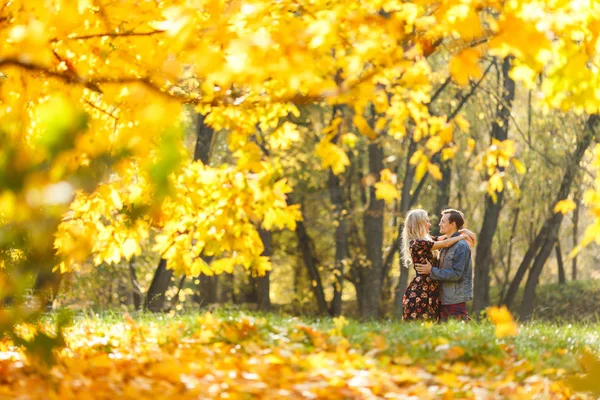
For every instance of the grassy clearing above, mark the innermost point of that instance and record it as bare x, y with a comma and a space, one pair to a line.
545, 344
249, 355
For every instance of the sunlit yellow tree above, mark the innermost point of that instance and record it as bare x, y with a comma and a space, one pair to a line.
131, 65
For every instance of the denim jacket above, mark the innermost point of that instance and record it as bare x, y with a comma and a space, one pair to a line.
455, 274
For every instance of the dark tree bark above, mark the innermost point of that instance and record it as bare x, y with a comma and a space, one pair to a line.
136, 288
225, 288
46, 286
342, 250
155, 297
263, 283
481, 285
533, 249
555, 220
442, 200
575, 234
208, 285
307, 249
175, 298
511, 240
562, 278
371, 275
206, 292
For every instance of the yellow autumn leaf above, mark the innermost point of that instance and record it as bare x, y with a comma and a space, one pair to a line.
470, 146
521, 169
446, 134
434, 144
448, 153
465, 66
363, 127
349, 139
131, 248
386, 191
462, 123
588, 382
380, 124
495, 183
332, 156
421, 169
434, 171
564, 206
503, 321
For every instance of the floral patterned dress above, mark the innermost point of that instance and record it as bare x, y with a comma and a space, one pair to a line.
422, 298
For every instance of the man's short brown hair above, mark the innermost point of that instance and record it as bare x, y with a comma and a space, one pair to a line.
455, 216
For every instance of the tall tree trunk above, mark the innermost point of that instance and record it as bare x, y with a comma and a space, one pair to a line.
443, 198
263, 283
342, 251
155, 297
207, 288
555, 220
481, 295
532, 251
225, 288
46, 286
575, 233
307, 249
511, 240
136, 288
562, 278
371, 275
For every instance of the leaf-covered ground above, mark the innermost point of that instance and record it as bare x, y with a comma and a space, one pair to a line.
247, 356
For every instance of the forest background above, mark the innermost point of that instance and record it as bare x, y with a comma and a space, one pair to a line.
169, 156
214, 157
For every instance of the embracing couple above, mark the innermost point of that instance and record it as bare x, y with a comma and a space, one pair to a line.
443, 264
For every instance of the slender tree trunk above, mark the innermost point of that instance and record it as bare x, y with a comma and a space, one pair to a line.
175, 298
443, 198
481, 295
136, 288
263, 283
575, 234
511, 240
207, 290
562, 278
155, 297
208, 286
342, 251
526, 310
371, 275
532, 251
307, 249
47, 284
225, 288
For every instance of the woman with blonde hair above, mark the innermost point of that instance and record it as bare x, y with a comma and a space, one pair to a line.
422, 297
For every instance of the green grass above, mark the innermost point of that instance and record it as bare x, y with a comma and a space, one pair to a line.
543, 344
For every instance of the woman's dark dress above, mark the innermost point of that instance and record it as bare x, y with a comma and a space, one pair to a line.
422, 298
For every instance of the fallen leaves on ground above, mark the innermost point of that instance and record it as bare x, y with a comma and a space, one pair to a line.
244, 357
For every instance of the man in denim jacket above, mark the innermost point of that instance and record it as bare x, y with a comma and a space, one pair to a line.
456, 269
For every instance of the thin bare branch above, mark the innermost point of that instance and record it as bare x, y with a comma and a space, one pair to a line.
113, 35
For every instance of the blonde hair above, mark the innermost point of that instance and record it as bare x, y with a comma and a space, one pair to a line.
414, 228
